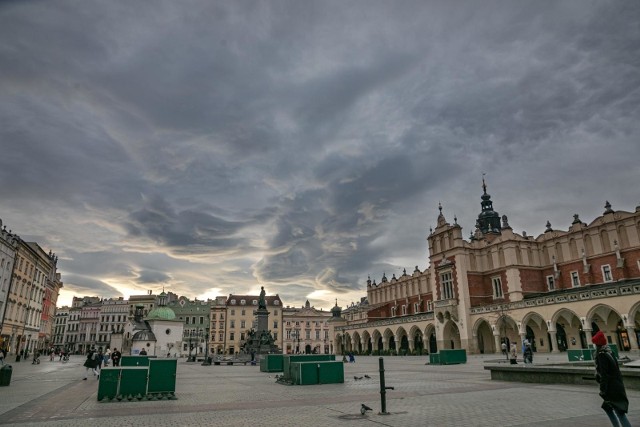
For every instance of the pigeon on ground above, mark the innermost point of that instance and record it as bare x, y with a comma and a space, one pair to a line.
367, 376
364, 408
357, 378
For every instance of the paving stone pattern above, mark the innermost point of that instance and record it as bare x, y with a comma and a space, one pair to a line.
54, 394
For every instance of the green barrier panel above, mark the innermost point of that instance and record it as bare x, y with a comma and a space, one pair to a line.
271, 363
304, 373
580, 354
162, 376
331, 372
453, 357
133, 381
134, 361
5, 375
434, 359
109, 381
287, 359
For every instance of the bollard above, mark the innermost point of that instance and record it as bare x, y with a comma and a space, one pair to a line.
383, 389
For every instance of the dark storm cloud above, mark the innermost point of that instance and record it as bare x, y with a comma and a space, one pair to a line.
186, 231
207, 145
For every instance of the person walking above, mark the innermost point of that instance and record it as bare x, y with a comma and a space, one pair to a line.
513, 356
612, 391
107, 356
527, 354
1, 357
504, 349
91, 363
115, 356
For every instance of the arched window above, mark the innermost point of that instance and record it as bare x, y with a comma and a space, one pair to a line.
604, 238
623, 238
573, 249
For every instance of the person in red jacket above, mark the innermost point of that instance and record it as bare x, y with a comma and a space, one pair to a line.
616, 404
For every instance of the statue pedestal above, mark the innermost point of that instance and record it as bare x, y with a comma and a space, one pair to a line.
262, 315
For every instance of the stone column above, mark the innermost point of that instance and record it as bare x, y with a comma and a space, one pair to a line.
553, 344
385, 344
633, 339
588, 334
411, 345
497, 344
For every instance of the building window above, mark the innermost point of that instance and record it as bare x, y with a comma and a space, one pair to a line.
275, 324
243, 312
404, 310
242, 302
288, 334
497, 287
416, 307
429, 305
254, 302
446, 282
233, 312
606, 273
232, 336
575, 279
201, 320
233, 301
550, 283
393, 312
233, 324
242, 324
317, 334
275, 336
221, 336
307, 334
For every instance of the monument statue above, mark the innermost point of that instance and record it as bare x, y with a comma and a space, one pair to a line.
262, 302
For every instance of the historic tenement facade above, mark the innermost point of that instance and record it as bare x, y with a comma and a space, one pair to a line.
556, 290
306, 330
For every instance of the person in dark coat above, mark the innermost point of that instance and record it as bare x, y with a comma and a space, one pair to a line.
527, 354
115, 356
612, 391
91, 363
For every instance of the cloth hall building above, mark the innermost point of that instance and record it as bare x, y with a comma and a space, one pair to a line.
555, 290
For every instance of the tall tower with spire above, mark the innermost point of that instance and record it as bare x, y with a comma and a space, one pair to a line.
489, 220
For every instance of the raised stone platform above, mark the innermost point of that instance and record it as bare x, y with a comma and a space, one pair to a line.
581, 374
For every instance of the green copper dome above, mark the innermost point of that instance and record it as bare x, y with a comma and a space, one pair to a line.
161, 313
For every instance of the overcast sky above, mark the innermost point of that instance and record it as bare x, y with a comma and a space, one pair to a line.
213, 147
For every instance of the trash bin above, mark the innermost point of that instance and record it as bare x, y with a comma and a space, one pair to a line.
5, 375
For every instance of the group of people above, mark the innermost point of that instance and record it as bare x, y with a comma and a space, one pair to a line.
96, 359
512, 354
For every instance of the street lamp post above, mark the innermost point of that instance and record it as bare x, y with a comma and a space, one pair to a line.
190, 358
206, 361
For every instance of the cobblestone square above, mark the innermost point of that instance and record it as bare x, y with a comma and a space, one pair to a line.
54, 394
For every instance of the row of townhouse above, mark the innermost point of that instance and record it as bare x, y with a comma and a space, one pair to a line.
218, 326
29, 290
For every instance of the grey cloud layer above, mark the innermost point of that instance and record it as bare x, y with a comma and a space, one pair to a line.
214, 145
